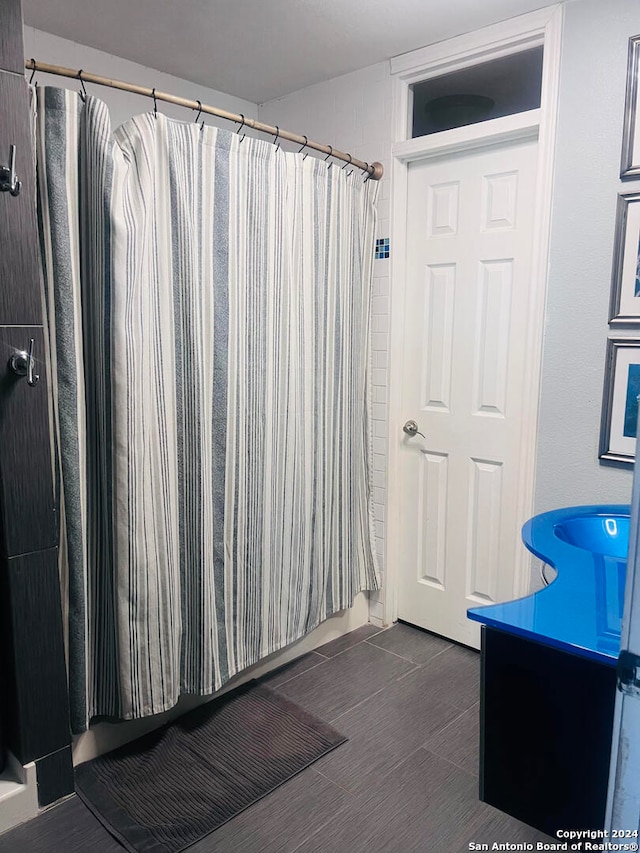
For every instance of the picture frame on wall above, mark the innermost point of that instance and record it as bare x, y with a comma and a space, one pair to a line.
630, 163
625, 277
619, 403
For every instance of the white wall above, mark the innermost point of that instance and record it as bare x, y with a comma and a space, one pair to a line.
586, 184
45, 47
353, 113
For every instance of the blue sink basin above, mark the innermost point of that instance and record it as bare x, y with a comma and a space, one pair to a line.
596, 533
581, 610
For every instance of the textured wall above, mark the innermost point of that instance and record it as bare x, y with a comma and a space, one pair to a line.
586, 184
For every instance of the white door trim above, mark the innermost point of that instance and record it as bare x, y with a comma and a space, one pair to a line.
471, 137
542, 27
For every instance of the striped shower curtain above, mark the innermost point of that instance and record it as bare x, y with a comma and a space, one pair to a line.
207, 303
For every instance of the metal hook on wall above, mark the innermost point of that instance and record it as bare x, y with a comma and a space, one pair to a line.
83, 93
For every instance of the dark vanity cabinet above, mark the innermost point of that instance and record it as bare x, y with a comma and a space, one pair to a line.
546, 719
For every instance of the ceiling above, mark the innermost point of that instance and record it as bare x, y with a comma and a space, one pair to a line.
263, 49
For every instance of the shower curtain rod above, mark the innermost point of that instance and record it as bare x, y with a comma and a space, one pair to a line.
375, 170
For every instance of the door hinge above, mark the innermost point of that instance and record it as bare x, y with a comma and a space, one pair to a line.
628, 673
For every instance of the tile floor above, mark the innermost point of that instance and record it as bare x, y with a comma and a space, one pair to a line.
405, 781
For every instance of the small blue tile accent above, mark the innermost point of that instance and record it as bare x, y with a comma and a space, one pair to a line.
382, 248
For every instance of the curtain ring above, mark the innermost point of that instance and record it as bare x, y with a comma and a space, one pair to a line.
349, 163
275, 138
33, 73
155, 103
83, 93
199, 111
302, 147
368, 173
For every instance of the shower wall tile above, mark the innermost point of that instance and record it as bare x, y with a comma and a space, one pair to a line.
20, 298
37, 717
11, 49
27, 512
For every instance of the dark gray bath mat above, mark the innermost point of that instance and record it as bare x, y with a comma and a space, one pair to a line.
172, 787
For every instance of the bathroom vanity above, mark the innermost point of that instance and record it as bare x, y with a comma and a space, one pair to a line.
549, 674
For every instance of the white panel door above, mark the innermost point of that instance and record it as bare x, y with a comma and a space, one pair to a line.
469, 236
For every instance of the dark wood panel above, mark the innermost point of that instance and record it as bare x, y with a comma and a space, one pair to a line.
547, 719
20, 300
38, 709
27, 505
55, 776
11, 46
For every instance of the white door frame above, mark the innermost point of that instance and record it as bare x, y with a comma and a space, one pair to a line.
538, 28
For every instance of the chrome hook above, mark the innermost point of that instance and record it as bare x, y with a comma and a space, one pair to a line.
22, 364
8, 179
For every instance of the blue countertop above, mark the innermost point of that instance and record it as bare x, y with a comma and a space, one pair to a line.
581, 610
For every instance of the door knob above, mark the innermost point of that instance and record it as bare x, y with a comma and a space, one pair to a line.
22, 364
411, 429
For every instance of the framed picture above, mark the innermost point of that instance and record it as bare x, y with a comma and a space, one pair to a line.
625, 278
630, 164
620, 400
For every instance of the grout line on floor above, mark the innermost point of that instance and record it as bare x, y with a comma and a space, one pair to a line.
361, 702
359, 643
452, 763
455, 719
304, 671
410, 660
337, 784
422, 665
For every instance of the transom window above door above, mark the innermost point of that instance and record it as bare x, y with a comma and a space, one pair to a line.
510, 84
